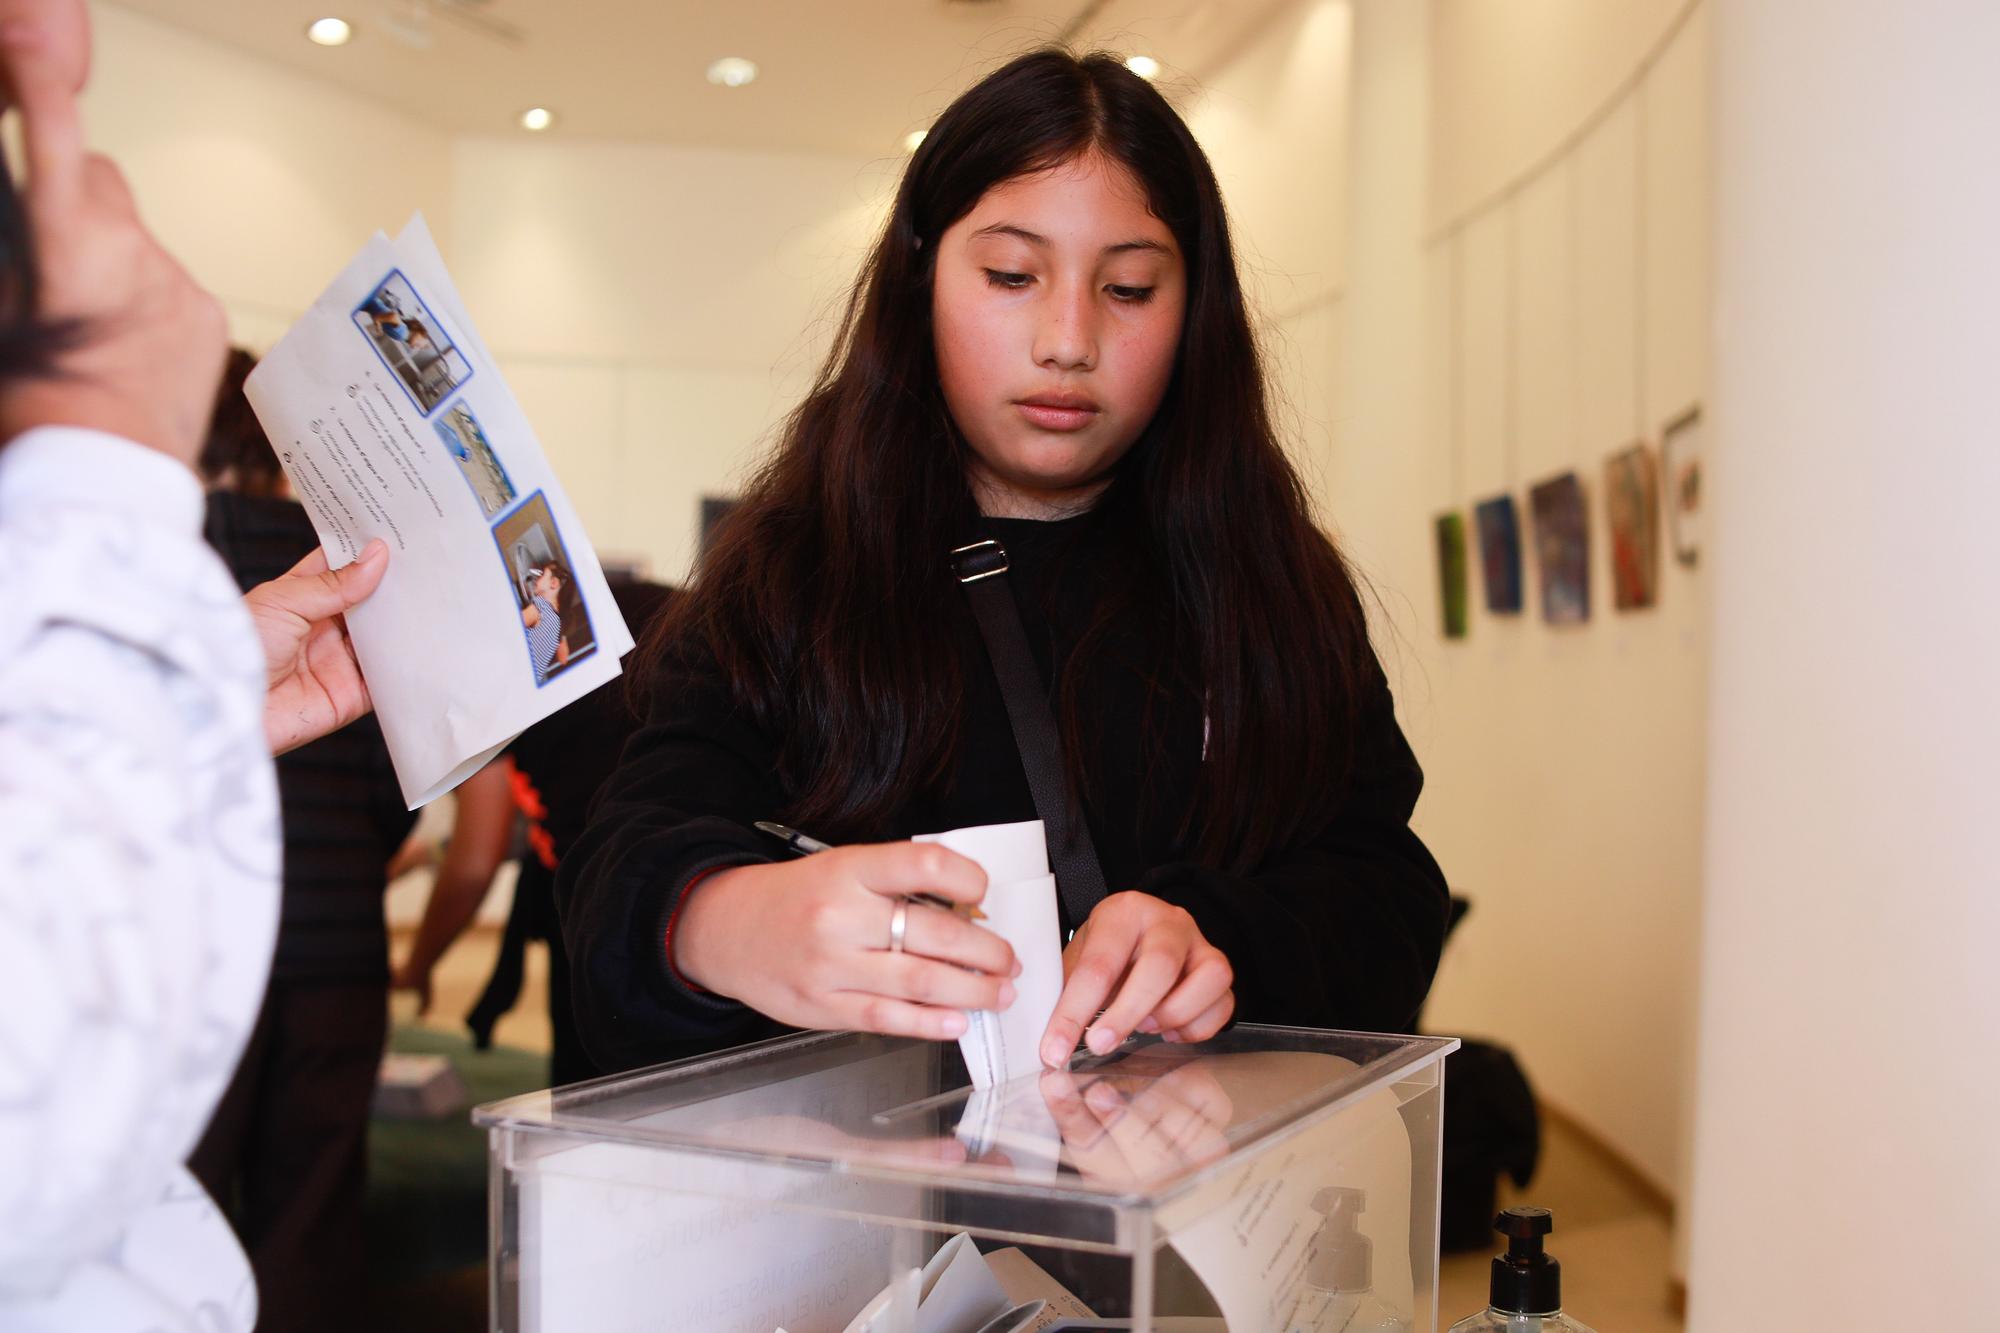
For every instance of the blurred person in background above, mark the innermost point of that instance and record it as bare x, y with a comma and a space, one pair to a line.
550, 776
479, 843
140, 701
286, 1155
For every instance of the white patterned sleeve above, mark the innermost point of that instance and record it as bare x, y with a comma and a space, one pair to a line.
138, 842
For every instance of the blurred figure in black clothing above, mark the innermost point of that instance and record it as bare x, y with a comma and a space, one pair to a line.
286, 1154
557, 766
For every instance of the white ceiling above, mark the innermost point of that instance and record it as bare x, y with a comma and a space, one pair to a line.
844, 76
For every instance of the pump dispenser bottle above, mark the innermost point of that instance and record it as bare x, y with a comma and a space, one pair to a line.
1525, 1295
1338, 1295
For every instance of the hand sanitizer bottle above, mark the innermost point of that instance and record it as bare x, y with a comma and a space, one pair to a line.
1526, 1292
1338, 1294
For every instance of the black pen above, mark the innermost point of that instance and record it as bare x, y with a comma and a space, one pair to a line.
805, 844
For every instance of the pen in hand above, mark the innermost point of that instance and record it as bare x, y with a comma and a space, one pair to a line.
805, 845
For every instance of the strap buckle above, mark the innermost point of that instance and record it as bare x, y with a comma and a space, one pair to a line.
980, 560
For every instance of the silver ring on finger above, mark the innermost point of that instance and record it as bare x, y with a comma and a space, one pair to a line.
899, 925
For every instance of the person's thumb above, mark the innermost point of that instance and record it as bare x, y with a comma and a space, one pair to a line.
313, 593
362, 575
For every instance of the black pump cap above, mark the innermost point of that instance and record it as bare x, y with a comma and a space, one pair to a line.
1525, 1280
1342, 1259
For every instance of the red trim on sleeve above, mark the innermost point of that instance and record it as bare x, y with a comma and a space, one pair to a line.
667, 938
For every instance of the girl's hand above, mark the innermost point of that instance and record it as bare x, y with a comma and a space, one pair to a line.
1132, 1131
807, 941
1174, 982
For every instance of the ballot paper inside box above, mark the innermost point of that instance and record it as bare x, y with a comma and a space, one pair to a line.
1271, 1179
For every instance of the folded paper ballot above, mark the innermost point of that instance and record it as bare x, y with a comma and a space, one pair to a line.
957, 1292
1012, 1118
1020, 907
392, 420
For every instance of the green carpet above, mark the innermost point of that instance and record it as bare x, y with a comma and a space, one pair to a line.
426, 1211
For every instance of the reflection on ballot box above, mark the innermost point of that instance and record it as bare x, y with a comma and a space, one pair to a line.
1274, 1180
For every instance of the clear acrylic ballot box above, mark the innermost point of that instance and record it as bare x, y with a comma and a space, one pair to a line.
1273, 1180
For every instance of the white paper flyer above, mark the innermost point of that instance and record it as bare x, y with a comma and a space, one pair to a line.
1257, 1236
1019, 907
392, 421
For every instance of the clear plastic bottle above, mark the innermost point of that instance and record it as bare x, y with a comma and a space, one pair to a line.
1338, 1295
1525, 1295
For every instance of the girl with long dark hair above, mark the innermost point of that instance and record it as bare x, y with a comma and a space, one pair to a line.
1049, 347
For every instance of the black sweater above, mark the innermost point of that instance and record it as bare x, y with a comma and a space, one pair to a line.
1344, 931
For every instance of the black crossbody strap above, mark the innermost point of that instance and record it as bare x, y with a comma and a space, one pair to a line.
982, 568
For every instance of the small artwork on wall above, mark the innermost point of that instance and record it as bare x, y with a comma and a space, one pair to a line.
1562, 549
1500, 553
1632, 506
1450, 529
1686, 479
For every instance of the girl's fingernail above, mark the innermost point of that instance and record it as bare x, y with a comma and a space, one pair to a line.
953, 1024
1149, 1024
1053, 1054
1006, 994
1017, 969
1100, 1040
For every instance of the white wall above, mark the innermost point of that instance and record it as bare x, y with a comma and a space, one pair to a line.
1515, 79
1274, 123
657, 309
1567, 761
1846, 1160
1555, 322
262, 181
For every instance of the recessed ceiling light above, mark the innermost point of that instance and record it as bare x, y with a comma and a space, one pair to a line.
732, 72
329, 31
913, 139
1144, 66
537, 118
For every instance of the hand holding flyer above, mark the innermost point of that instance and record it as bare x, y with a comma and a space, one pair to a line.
392, 421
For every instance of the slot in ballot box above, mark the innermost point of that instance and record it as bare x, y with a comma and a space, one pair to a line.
1273, 1179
